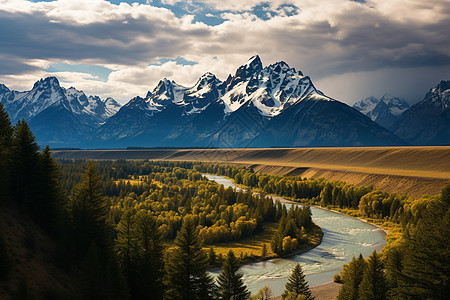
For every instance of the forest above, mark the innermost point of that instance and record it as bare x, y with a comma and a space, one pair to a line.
110, 234
109, 222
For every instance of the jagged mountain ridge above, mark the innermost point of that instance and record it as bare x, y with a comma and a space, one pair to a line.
428, 121
238, 112
57, 116
257, 106
384, 111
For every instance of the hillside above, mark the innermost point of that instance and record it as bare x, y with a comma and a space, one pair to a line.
411, 170
35, 273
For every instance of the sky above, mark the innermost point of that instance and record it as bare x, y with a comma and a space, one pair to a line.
120, 49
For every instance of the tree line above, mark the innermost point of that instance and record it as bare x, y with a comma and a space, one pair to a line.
123, 260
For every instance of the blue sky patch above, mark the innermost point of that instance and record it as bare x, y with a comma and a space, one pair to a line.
98, 71
179, 61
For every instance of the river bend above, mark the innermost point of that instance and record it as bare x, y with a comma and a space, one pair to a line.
344, 237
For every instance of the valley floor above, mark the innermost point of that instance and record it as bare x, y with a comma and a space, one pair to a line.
411, 170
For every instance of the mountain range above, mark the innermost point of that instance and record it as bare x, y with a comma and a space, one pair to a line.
384, 111
258, 106
428, 121
57, 116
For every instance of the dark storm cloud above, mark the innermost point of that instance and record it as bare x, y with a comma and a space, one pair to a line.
322, 38
33, 36
13, 65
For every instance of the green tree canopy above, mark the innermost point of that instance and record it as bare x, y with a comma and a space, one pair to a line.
186, 266
297, 284
352, 276
373, 285
89, 212
230, 284
6, 134
425, 253
25, 173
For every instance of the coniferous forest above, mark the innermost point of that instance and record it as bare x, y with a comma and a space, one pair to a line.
131, 229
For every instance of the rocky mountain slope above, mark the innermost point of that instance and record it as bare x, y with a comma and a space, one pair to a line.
384, 111
58, 116
258, 106
428, 121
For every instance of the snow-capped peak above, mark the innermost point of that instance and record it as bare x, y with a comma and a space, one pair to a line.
48, 93
366, 105
440, 95
4, 88
271, 89
253, 63
167, 91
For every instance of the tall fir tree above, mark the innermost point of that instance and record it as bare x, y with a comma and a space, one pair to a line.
230, 284
126, 247
51, 199
24, 171
352, 276
373, 285
6, 135
89, 213
150, 265
186, 266
297, 284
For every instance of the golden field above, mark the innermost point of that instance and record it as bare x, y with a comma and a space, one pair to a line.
411, 170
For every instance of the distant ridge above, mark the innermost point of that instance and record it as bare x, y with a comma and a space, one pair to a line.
258, 106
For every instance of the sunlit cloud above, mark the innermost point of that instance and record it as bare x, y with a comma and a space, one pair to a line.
140, 43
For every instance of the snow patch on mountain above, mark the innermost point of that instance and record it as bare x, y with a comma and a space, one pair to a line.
384, 111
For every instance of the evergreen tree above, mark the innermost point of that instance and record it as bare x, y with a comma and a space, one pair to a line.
393, 270
49, 207
25, 173
426, 252
352, 276
212, 256
150, 264
297, 284
89, 213
230, 284
126, 247
186, 266
6, 135
373, 284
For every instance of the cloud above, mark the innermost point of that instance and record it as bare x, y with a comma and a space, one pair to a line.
327, 39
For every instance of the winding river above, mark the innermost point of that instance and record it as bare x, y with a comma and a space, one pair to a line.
344, 237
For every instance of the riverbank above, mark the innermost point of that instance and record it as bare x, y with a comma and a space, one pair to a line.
325, 290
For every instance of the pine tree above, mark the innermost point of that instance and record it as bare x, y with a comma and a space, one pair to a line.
426, 252
88, 211
230, 284
212, 256
150, 264
126, 247
25, 172
297, 284
186, 266
6, 135
49, 207
373, 284
352, 276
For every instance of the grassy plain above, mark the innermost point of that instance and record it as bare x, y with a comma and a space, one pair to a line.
411, 170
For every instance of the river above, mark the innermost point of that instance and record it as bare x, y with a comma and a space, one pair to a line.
344, 237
